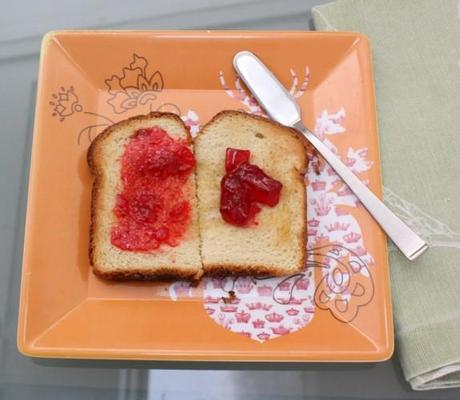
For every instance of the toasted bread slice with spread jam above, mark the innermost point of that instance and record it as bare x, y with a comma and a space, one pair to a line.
182, 259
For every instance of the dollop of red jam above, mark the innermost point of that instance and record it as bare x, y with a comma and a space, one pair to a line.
152, 209
244, 186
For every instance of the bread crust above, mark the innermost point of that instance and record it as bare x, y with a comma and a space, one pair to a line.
164, 274
248, 270
294, 132
91, 155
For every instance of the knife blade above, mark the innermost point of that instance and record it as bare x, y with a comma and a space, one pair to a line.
283, 108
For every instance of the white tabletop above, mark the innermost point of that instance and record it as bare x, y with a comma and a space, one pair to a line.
22, 23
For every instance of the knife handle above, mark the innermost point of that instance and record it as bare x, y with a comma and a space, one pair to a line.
410, 244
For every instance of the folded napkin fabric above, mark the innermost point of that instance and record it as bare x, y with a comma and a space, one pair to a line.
416, 57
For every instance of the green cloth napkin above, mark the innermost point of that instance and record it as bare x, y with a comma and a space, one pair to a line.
416, 55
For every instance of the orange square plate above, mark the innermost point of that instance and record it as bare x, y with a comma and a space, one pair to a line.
338, 309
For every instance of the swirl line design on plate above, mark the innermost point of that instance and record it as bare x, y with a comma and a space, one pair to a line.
341, 290
65, 103
135, 85
347, 283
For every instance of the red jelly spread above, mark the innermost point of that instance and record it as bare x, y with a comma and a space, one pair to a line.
244, 186
152, 209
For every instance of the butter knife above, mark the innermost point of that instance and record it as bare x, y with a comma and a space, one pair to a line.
283, 108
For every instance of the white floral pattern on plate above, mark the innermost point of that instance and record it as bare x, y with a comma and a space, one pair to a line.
261, 309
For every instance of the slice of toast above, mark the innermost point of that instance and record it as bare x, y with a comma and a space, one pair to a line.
276, 245
104, 159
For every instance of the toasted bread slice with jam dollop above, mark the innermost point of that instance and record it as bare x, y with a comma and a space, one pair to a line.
275, 243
